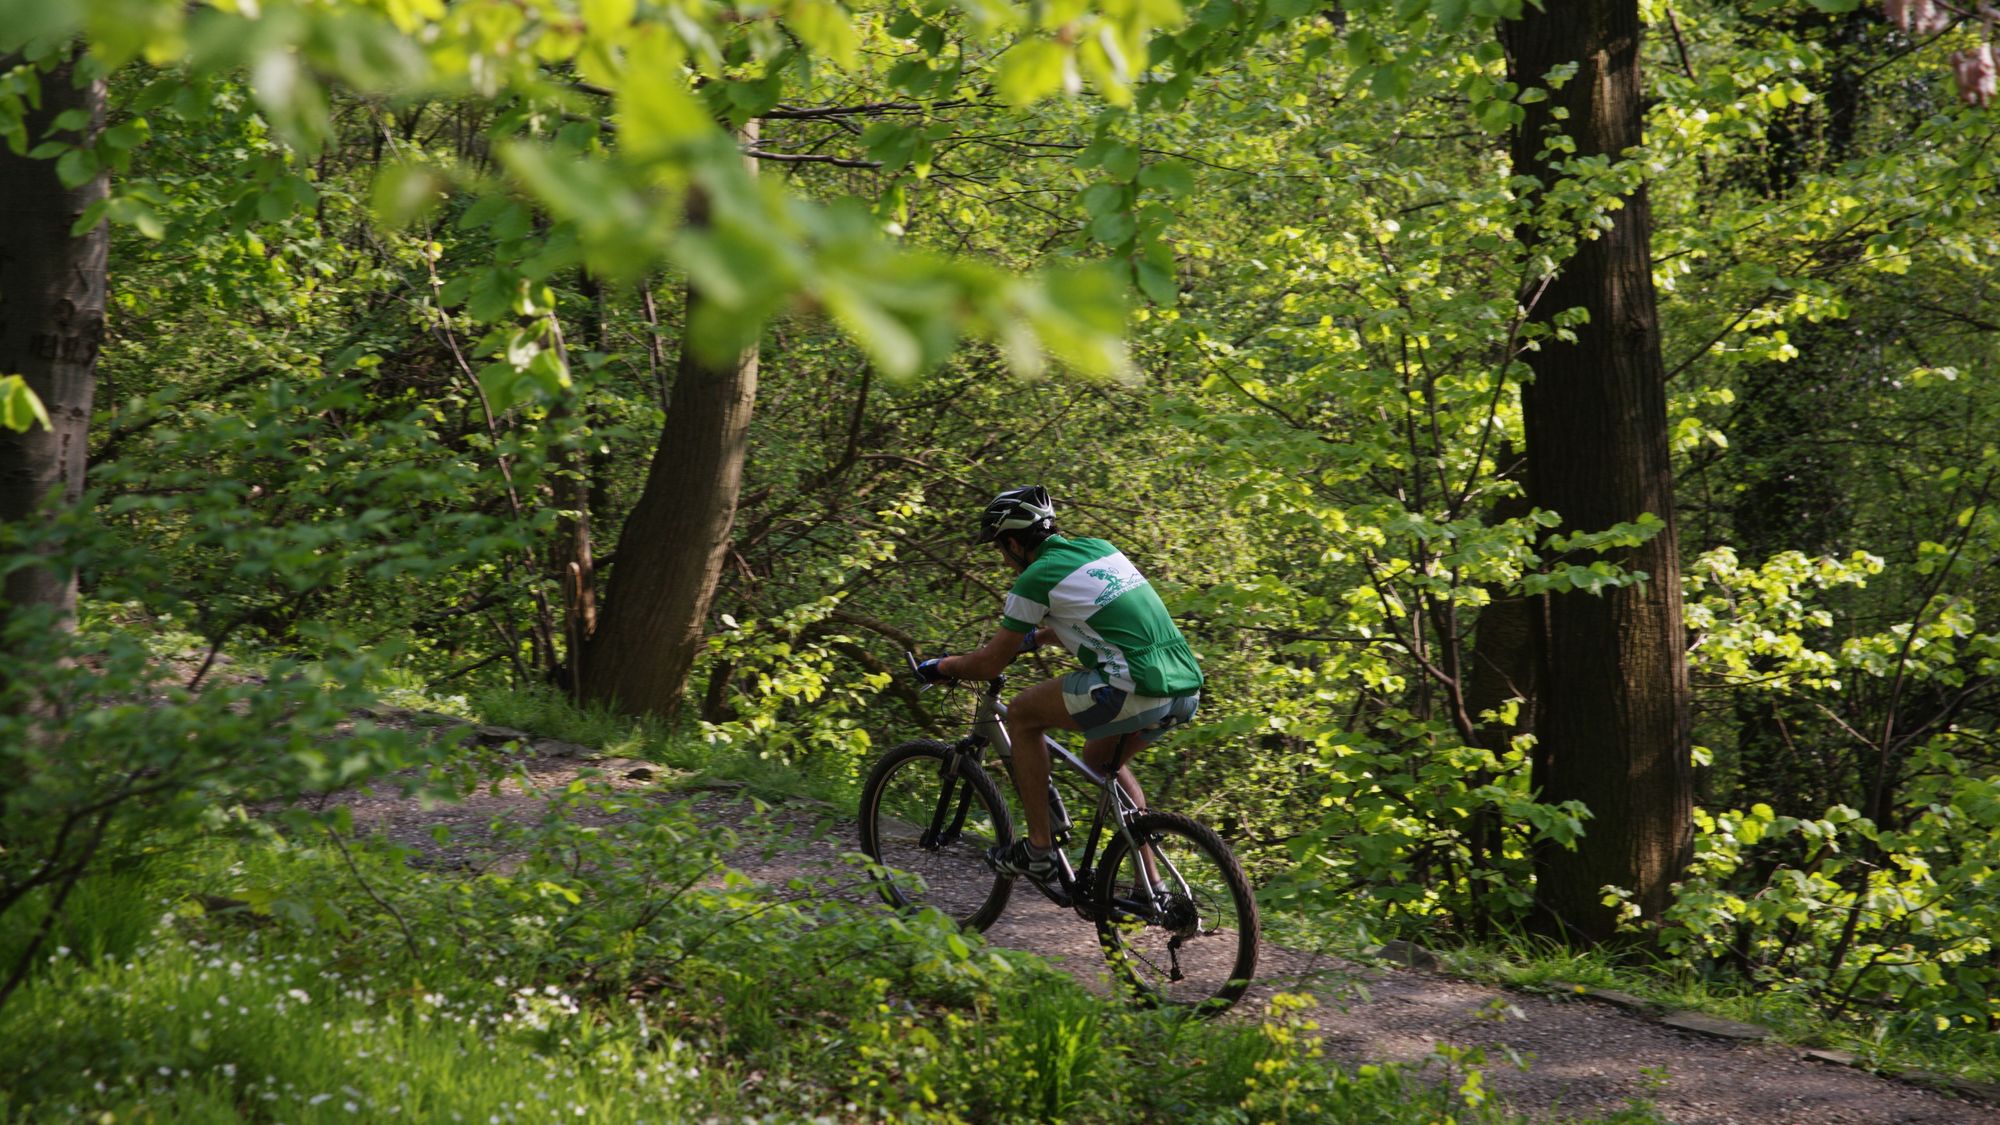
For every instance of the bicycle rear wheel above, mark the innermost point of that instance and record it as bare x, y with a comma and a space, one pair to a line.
1193, 947
931, 831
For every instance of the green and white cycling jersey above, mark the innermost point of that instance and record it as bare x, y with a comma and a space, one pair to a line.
1104, 611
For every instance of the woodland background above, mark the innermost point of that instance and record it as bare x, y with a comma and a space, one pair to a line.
1564, 434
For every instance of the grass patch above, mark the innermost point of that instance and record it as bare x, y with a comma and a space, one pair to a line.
1516, 961
1885, 1039
600, 982
548, 713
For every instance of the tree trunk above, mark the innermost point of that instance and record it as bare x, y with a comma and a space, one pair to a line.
1613, 726
575, 478
673, 546
51, 323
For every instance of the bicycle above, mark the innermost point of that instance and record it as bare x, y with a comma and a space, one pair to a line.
1182, 935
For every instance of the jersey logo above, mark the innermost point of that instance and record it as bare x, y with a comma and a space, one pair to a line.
1114, 583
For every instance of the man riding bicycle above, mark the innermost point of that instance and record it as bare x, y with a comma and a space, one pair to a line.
1139, 677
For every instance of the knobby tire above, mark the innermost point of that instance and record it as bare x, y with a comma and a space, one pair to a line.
1218, 926
904, 801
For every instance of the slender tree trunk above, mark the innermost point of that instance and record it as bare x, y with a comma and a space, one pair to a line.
575, 483
1613, 725
673, 546
51, 323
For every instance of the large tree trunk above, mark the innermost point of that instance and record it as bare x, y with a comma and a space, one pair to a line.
672, 549
51, 323
1613, 723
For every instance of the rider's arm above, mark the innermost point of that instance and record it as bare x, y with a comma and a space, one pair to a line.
986, 661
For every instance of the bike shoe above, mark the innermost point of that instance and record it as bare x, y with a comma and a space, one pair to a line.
1018, 858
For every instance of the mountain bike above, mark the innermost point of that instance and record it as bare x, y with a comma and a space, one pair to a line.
1173, 912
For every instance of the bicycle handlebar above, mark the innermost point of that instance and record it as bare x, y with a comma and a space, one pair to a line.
994, 684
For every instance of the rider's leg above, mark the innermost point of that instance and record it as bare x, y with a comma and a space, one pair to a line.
1030, 715
1098, 752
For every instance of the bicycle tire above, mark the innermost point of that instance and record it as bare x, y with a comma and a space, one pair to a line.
900, 803
1208, 936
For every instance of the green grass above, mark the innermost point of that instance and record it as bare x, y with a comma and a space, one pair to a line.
1888, 1041
1521, 962
613, 976
305, 1005
547, 712
550, 714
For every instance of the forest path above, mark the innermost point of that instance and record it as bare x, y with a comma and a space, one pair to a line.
1584, 1057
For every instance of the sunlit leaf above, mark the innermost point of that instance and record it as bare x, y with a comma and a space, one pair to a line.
20, 407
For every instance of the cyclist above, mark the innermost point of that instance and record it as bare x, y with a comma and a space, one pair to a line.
1139, 678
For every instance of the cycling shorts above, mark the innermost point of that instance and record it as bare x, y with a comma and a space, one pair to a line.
1103, 709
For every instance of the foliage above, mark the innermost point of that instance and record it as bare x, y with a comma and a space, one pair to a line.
619, 208
1849, 914
396, 302
663, 994
109, 756
20, 408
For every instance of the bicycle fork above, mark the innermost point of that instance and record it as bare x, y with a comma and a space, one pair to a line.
948, 824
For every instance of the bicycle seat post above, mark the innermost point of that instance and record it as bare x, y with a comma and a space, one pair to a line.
986, 720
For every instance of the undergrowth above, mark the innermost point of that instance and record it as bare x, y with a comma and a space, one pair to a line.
613, 973
1888, 1040
604, 964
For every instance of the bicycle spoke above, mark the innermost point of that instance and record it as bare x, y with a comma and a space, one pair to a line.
932, 831
1194, 944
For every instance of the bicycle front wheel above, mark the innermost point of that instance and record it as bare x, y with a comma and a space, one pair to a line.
1193, 942
928, 814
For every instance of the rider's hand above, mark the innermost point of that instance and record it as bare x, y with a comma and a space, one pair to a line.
929, 672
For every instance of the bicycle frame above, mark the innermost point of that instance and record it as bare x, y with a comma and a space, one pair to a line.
1115, 808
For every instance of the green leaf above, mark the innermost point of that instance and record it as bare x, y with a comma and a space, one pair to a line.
404, 193
1114, 228
913, 75
20, 407
498, 382
888, 341
70, 119
1170, 176
1121, 162
548, 372
825, 28
1156, 283
1032, 70
1102, 199
272, 207
606, 17
1390, 82
656, 113
76, 167
891, 144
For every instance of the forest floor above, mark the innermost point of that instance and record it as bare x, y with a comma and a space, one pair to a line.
1581, 1056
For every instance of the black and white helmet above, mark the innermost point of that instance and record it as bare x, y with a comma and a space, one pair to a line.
1017, 509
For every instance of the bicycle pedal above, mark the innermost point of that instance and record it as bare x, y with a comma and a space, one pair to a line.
1056, 893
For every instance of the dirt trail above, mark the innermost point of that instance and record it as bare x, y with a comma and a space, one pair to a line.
1585, 1057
